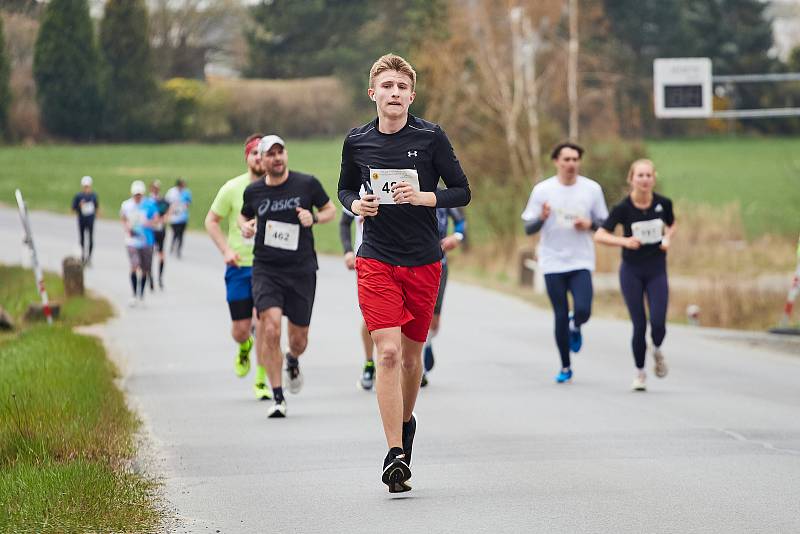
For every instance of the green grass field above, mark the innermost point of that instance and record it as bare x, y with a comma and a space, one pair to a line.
49, 176
66, 433
763, 175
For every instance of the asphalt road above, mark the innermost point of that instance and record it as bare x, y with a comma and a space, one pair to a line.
714, 447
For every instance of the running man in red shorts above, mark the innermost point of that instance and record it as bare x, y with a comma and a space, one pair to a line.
399, 159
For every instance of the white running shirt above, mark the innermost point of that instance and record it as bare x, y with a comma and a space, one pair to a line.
563, 248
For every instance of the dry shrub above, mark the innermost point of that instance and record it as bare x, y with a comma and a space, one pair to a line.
294, 108
729, 301
711, 241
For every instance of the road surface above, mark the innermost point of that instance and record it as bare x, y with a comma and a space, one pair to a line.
714, 447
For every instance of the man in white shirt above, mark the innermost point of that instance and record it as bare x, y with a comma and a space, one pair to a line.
567, 208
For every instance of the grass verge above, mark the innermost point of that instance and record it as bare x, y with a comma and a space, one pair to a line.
66, 434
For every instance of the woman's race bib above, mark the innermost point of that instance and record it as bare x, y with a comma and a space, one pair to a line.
384, 179
648, 232
281, 235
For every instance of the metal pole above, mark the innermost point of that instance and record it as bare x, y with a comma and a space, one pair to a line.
37, 270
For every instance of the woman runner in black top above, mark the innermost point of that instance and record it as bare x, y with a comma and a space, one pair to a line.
399, 159
648, 224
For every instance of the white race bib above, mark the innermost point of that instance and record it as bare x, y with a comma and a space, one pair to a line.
566, 217
87, 208
382, 181
648, 232
281, 235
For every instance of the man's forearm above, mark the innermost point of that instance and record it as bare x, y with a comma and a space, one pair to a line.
215, 231
531, 227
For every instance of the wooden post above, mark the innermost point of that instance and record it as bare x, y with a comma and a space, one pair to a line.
72, 269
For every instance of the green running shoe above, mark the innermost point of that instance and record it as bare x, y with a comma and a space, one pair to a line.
242, 363
262, 391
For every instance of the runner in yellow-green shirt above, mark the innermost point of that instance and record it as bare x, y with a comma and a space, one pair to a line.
238, 255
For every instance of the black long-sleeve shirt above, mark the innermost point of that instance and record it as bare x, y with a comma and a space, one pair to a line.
402, 234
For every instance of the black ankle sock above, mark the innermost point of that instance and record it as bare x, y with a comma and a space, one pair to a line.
291, 361
134, 283
393, 453
277, 393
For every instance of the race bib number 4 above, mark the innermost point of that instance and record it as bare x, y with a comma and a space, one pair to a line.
87, 208
281, 235
566, 217
384, 179
648, 232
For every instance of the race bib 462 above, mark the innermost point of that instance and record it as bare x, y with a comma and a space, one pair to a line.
281, 235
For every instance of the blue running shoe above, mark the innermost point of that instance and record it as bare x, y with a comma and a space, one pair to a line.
564, 376
575, 337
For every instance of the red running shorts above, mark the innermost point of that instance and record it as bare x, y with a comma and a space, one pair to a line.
392, 296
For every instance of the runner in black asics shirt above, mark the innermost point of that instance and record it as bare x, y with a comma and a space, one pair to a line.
279, 210
400, 158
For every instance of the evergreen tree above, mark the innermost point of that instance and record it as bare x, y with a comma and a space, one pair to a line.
641, 31
5, 92
129, 84
65, 67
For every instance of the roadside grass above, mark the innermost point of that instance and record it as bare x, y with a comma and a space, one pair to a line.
18, 290
710, 250
66, 434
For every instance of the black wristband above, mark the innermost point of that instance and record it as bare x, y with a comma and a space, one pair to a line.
314, 218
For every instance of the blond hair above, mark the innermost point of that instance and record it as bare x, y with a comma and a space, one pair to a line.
392, 62
641, 162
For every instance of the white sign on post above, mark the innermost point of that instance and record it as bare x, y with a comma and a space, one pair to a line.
682, 88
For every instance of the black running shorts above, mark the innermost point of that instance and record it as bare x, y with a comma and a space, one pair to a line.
292, 293
159, 236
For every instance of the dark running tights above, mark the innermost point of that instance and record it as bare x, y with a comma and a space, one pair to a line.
177, 237
86, 226
637, 281
579, 283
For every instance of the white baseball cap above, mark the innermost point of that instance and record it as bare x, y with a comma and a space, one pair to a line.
86, 181
268, 141
138, 188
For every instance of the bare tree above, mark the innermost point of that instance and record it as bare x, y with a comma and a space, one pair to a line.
490, 84
188, 34
572, 69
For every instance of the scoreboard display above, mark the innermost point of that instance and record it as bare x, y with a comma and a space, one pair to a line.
682, 88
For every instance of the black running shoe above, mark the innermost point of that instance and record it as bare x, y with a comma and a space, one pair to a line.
396, 472
409, 430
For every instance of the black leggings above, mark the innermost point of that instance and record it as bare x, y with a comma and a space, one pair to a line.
86, 225
177, 237
579, 283
637, 280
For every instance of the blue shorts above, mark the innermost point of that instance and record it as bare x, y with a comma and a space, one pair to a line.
237, 283
239, 293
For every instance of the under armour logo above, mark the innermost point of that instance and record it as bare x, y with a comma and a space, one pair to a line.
412, 153
659, 209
